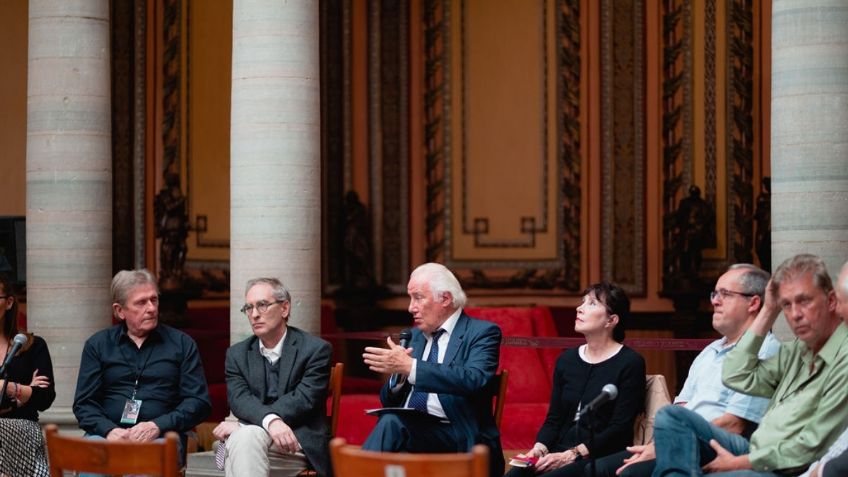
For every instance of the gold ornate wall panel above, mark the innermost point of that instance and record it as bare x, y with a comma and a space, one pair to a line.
500, 128
709, 131
676, 123
381, 65
623, 144
388, 110
206, 137
335, 137
741, 132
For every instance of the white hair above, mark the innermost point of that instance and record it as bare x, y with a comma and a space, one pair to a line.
441, 280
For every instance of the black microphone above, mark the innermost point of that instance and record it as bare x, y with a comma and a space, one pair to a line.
19, 340
608, 393
405, 337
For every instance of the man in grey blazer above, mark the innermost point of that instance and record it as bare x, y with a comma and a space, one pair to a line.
277, 388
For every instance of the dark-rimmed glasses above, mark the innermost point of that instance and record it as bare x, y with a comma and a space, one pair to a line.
725, 294
260, 307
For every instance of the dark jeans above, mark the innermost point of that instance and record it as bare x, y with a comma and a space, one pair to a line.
682, 440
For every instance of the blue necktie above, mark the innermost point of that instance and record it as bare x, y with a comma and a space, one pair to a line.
418, 399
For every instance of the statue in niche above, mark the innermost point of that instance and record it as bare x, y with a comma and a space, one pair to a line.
358, 263
172, 227
694, 222
762, 216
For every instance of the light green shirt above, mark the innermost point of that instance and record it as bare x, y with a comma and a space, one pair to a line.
807, 411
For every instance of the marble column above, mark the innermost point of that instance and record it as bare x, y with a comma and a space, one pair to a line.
275, 168
69, 184
809, 143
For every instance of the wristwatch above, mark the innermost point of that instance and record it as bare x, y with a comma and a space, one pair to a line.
577, 454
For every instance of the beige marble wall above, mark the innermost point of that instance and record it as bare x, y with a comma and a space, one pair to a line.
69, 183
809, 137
275, 167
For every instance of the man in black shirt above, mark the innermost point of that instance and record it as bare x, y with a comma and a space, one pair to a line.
139, 378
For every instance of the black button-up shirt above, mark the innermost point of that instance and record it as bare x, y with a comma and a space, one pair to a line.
171, 383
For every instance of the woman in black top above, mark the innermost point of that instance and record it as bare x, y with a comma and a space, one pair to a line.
563, 446
28, 390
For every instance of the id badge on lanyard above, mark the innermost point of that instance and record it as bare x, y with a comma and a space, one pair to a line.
131, 408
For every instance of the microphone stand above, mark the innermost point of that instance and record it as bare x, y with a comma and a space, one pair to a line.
591, 443
3, 372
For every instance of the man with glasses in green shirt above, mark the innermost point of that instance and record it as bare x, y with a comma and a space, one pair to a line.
806, 382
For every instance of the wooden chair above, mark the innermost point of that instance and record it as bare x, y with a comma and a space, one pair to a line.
112, 458
501, 380
656, 396
351, 461
335, 391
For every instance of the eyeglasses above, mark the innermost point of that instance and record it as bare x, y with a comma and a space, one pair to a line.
261, 307
725, 294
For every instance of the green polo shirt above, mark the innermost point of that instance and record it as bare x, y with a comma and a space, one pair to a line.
807, 411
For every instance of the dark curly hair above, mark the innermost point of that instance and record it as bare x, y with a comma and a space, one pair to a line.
616, 302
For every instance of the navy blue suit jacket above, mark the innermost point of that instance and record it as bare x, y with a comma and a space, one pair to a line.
462, 384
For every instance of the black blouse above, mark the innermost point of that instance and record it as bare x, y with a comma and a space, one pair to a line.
21, 369
578, 382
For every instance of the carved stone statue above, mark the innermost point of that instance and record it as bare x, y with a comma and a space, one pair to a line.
358, 268
694, 222
172, 227
762, 216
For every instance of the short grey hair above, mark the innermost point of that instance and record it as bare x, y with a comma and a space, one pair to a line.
441, 280
124, 281
802, 264
754, 280
280, 292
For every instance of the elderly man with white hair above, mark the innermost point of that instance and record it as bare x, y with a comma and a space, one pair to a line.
444, 375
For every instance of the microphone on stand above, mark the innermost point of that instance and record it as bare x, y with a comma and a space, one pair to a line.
398, 379
19, 340
608, 393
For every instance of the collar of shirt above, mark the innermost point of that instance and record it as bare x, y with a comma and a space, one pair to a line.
123, 333
720, 346
273, 354
831, 348
449, 324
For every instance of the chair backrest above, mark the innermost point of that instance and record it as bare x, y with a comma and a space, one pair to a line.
656, 396
335, 391
351, 461
501, 380
108, 457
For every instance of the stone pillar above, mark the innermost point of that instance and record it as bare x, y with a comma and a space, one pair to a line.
275, 169
69, 184
809, 111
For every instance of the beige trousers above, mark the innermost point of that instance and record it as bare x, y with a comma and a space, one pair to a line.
250, 453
